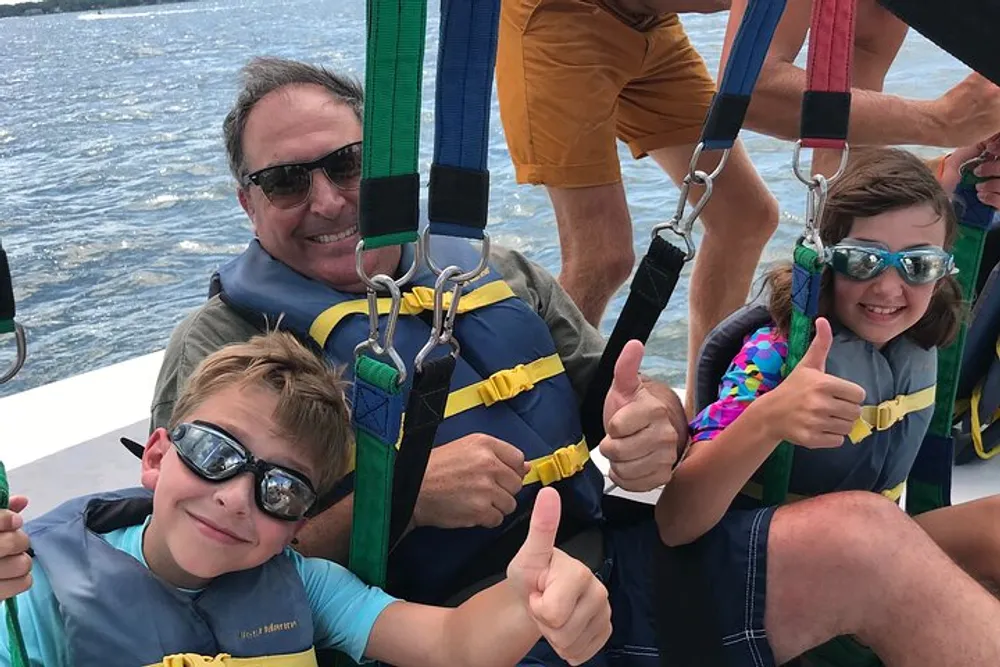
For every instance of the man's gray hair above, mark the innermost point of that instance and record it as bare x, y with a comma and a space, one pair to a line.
265, 75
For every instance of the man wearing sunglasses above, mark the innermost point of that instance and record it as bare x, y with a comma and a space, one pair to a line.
289, 140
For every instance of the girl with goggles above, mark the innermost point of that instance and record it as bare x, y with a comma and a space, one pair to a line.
856, 407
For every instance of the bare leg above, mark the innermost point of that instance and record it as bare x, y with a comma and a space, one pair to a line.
739, 219
595, 233
855, 564
970, 534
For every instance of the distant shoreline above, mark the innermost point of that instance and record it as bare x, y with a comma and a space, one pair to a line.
64, 6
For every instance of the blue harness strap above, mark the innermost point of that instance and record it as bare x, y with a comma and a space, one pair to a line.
729, 107
661, 266
459, 182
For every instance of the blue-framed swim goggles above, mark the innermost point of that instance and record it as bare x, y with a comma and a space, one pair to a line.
858, 260
217, 456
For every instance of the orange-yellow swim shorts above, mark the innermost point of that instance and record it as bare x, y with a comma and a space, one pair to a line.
572, 75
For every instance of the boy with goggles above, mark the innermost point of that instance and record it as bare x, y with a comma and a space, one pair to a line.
196, 566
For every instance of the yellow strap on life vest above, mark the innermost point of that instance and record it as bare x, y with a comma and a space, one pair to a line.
560, 464
503, 385
884, 415
976, 425
756, 491
303, 659
415, 301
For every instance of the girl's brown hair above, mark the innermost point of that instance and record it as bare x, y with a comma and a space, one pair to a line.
875, 181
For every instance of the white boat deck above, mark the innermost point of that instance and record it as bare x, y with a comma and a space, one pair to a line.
61, 440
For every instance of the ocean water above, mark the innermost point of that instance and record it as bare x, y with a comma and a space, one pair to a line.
116, 204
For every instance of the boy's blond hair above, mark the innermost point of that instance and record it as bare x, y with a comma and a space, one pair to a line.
312, 410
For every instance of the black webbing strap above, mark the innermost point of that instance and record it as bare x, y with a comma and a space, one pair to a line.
967, 30
7, 310
654, 282
424, 412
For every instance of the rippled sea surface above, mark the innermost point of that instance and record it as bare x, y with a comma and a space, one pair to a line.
116, 204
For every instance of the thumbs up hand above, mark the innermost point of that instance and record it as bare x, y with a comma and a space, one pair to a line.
564, 599
813, 409
15, 564
641, 441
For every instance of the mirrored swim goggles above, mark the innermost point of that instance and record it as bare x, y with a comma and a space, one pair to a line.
216, 456
917, 266
288, 185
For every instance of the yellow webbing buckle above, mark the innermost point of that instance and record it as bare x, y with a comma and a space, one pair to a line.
506, 384
560, 464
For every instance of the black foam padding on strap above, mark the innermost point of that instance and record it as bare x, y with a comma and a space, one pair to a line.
725, 117
7, 310
458, 196
966, 29
825, 115
654, 282
424, 413
389, 205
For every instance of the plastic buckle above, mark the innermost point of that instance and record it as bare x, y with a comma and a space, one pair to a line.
566, 462
888, 414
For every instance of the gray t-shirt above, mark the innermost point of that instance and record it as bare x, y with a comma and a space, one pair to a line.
214, 325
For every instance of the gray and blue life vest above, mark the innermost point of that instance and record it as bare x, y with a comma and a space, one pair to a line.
509, 383
117, 613
899, 382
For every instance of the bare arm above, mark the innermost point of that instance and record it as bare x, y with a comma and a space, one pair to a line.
492, 628
808, 408
714, 471
876, 117
546, 593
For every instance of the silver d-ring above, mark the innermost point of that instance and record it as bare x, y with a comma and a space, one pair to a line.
797, 164
696, 155
484, 257
22, 353
359, 266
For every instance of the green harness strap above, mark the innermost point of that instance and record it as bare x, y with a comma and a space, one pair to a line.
18, 653
926, 490
393, 76
807, 269
388, 216
375, 459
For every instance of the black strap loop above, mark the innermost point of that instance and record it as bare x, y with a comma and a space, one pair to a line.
654, 282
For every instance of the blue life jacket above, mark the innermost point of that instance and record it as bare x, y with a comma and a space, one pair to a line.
508, 383
117, 613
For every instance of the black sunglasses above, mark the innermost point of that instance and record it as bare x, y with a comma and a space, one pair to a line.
288, 185
216, 456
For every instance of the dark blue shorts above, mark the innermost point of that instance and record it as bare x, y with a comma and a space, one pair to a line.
627, 572
713, 593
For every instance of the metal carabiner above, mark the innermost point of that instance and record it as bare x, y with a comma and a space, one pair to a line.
680, 224
22, 353
819, 188
442, 331
386, 347
484, 257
